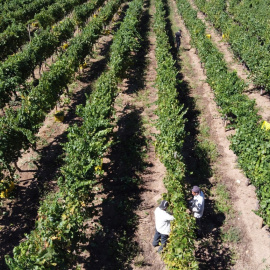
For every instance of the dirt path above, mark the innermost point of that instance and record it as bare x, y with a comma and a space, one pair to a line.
262, 101
152, 178
152, 185
253, 249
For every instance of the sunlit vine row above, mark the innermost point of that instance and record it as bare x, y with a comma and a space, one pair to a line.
253, 50
17, 34
180, 252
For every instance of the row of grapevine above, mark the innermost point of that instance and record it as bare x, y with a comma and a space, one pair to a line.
55, 12
17, 34
180, 252
12, 39
13, 5
18, 127
250, 143
243, 42
17, 68
81, 13
59, 228
253, 16
23, 14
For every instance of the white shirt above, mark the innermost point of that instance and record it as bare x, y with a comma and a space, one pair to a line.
198, 205
163, 219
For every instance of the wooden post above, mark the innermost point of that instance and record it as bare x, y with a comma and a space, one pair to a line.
29, 33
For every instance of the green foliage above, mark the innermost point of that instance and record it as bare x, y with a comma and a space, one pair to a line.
17, 68
17, 34
12, 38
222, 195
23, 14
245, 27
19, 126
179, 253
82, 12
56, 236
233, 235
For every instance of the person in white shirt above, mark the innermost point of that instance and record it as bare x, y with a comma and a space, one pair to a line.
162, 220
197, 207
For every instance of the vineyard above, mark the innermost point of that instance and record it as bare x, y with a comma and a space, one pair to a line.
102, 118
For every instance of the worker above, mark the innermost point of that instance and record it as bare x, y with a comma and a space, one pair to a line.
178, 35
196, 206
162, 222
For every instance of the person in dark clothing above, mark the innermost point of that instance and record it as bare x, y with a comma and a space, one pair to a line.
178, 36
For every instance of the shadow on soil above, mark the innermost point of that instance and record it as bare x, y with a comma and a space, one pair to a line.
112, 246
19, 218
211, 252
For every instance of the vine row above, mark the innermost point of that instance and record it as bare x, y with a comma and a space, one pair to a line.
252, 16
171, 123
17, 34
23, 14
244, 43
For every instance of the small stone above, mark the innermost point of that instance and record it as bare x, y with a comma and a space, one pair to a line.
260, 223
257, 205
238, 181
247, 182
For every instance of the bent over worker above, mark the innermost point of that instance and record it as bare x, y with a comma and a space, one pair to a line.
197, 207
162, 220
